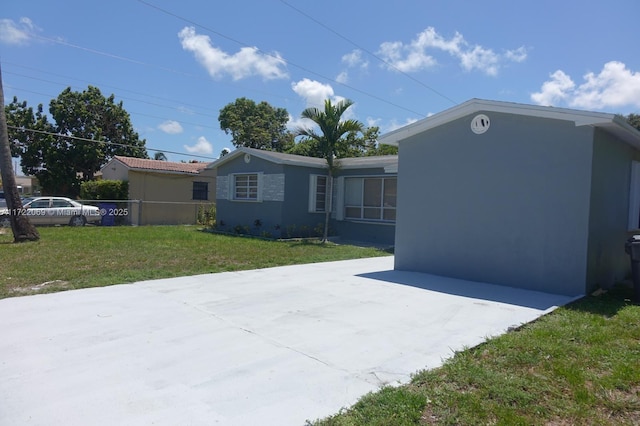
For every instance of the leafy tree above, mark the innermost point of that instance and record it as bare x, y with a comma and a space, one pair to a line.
366, 144
357, 144
307, 147
252, 125
89, 130
634, 120
22, 228
27, 127
89, 115
331, 140
160, 156
43, 155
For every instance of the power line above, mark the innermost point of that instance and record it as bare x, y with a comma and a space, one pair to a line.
102, 85
134, 61
112, 56
300, 67
60, 135
421, 83
121, 97
135, 113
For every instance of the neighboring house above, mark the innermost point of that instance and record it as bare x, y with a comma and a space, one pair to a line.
27, 185
169, 193
284, 195
526, 196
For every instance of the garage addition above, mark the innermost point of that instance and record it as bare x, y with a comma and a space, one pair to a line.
534, 197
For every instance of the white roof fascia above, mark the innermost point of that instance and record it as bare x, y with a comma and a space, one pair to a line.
580, 118
271, 158
391, 169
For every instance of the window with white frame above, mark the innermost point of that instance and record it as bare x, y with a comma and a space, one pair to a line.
318, 185
370, 198
245, 187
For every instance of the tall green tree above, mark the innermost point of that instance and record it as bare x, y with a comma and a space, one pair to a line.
252, 125
357, 144
22, 228
366, 144
331, 141
26, 126
43, 155
90, 116
89, 130
634, 120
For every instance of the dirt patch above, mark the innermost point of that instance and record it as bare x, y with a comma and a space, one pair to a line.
55, 285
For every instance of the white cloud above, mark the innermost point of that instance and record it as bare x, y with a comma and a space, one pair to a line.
343, 77
614, 87
313, 92
480, 58
416, 55
170, 126
354, 59
414, 60
517, 55
372, 121
393, 124
554, 90
247, 62
202, 146
183, 109
19, 33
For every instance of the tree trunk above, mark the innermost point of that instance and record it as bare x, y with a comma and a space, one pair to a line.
22, 229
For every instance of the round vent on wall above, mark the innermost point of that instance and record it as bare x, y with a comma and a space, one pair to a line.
247, 158
480, 124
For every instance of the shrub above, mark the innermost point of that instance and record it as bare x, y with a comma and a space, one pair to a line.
207, 216
104, 190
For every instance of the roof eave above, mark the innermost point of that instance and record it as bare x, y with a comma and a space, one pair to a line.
264, 156
172, 172
612, 123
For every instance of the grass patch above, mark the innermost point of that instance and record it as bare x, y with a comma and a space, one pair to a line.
70, 258
579, 365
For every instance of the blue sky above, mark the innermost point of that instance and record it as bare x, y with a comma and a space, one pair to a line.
174, 65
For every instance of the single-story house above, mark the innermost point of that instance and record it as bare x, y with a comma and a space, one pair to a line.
28, 185
285, 195
527, 196
165, 192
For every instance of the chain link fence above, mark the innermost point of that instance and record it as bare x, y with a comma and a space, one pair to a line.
142, 212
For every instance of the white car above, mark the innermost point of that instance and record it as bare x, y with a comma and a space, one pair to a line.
54, 211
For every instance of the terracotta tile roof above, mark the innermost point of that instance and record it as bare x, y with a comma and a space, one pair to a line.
165, 166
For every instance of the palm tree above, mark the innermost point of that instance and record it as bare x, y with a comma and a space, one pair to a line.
329, 140
22, 229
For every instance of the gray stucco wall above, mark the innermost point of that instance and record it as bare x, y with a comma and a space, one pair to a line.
232, 213
510, 206
296, 218
284, 210
608, 220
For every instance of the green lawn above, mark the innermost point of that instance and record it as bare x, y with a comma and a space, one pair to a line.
68, 258
579, 365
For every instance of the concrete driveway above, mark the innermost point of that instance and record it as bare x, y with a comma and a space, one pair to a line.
271, 347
